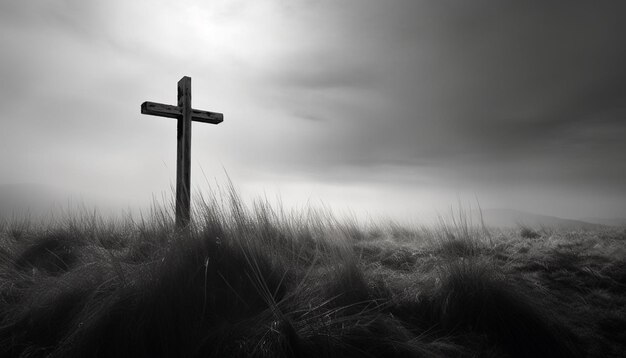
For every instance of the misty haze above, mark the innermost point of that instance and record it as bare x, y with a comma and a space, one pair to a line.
350, 178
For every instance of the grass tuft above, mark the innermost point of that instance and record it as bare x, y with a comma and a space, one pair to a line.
474, 297
528, 233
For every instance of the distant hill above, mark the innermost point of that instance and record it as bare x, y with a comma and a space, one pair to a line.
509, 218
617, 222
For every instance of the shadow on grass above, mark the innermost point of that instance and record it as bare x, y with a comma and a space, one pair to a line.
475, 305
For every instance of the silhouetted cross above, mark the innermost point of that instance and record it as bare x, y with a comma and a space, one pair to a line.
184, 114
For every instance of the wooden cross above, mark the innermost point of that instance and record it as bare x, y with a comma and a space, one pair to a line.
184, 114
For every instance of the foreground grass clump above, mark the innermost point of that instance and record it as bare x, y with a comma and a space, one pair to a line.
261, 282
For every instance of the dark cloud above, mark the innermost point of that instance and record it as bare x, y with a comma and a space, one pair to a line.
476, 85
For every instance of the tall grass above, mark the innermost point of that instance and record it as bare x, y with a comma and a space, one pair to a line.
262, 281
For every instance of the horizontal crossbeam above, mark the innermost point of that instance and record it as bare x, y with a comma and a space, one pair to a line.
165, 110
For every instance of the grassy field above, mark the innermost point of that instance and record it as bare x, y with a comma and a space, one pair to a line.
259, 281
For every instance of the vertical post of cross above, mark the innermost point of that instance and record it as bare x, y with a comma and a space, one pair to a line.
183, 162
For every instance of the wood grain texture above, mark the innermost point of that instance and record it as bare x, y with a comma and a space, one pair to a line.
183, 160
166, 110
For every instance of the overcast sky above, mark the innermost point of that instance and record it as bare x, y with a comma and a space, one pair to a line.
385, 107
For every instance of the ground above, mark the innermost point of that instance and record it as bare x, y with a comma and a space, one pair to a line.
262, 282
